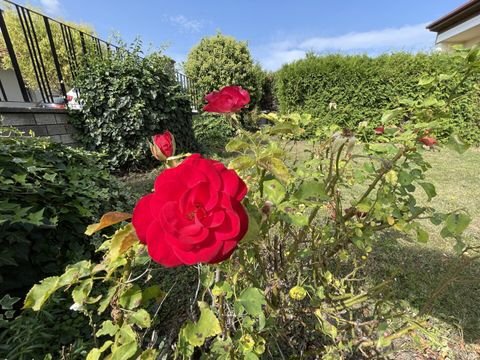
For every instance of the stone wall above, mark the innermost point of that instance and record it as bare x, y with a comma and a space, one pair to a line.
43, 122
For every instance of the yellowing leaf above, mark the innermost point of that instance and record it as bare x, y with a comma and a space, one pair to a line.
122, 240
206, 326
107, 220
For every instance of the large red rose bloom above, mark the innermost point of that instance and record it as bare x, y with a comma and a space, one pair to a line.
194, 214
229, 99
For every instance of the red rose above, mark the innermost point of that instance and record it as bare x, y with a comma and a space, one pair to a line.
379, 130
163, 145
227, 100
194, 214
428, 141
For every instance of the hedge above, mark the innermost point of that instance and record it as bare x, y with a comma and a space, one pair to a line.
362, 87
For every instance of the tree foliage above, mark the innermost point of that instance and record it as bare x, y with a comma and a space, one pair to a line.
23, 55
219, 61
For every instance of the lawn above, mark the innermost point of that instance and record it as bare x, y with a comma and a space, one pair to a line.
417, 269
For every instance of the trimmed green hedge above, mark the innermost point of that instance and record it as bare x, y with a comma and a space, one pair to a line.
362, 87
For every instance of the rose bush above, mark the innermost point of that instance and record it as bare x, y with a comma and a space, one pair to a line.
295, 286
194, 215
229, 99
163, 145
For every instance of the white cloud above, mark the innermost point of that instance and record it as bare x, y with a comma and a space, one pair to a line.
51, 7
406, 38
186, 24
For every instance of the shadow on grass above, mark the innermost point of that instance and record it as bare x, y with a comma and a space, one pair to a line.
418, 271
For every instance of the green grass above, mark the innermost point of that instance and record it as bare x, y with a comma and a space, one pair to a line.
418, 269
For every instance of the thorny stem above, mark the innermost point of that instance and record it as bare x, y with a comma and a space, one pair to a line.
379, 176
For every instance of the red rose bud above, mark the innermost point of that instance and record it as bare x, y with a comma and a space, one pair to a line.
379, 130
194, 215
428, 141
230, 99
163, 146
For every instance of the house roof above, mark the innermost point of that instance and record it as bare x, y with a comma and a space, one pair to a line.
455, 17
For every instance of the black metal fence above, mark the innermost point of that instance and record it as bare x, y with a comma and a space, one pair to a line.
41, 56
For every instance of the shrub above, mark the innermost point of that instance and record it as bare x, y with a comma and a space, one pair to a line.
362, 87
49, 194
212, 132
219, 61
127, 99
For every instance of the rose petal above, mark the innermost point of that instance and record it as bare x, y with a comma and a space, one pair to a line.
142, 217
158, 246
233, 185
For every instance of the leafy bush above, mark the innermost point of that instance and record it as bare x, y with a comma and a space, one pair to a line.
127, 99
49, 193
212, 132
219, 61
52, 331
346, 90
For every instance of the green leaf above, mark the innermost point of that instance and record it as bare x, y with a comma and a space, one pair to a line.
7, 302
125, 335
108, 328
102, 306
125, 351
277, 167
206, 326
140, 317
284, 128
241, 163
456, 144
422, 235
150, 354
81, 291
96, 353
457, 223
252, 300
237, 145
274, 191
39, 293
36, 218
131, 298
153, 292
311, 190
429, 190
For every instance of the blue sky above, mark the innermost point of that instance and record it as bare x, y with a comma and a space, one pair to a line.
276, 31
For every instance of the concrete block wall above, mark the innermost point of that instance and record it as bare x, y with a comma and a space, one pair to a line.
43, 122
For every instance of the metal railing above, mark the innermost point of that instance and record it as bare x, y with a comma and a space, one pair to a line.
50, 57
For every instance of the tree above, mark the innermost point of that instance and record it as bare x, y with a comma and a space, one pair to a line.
23, 54
220, 60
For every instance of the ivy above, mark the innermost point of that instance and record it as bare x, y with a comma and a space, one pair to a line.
127, 99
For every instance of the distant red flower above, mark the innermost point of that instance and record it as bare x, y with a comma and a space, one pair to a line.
195, 214
230, 99
163, 145
428, 141
379, 130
